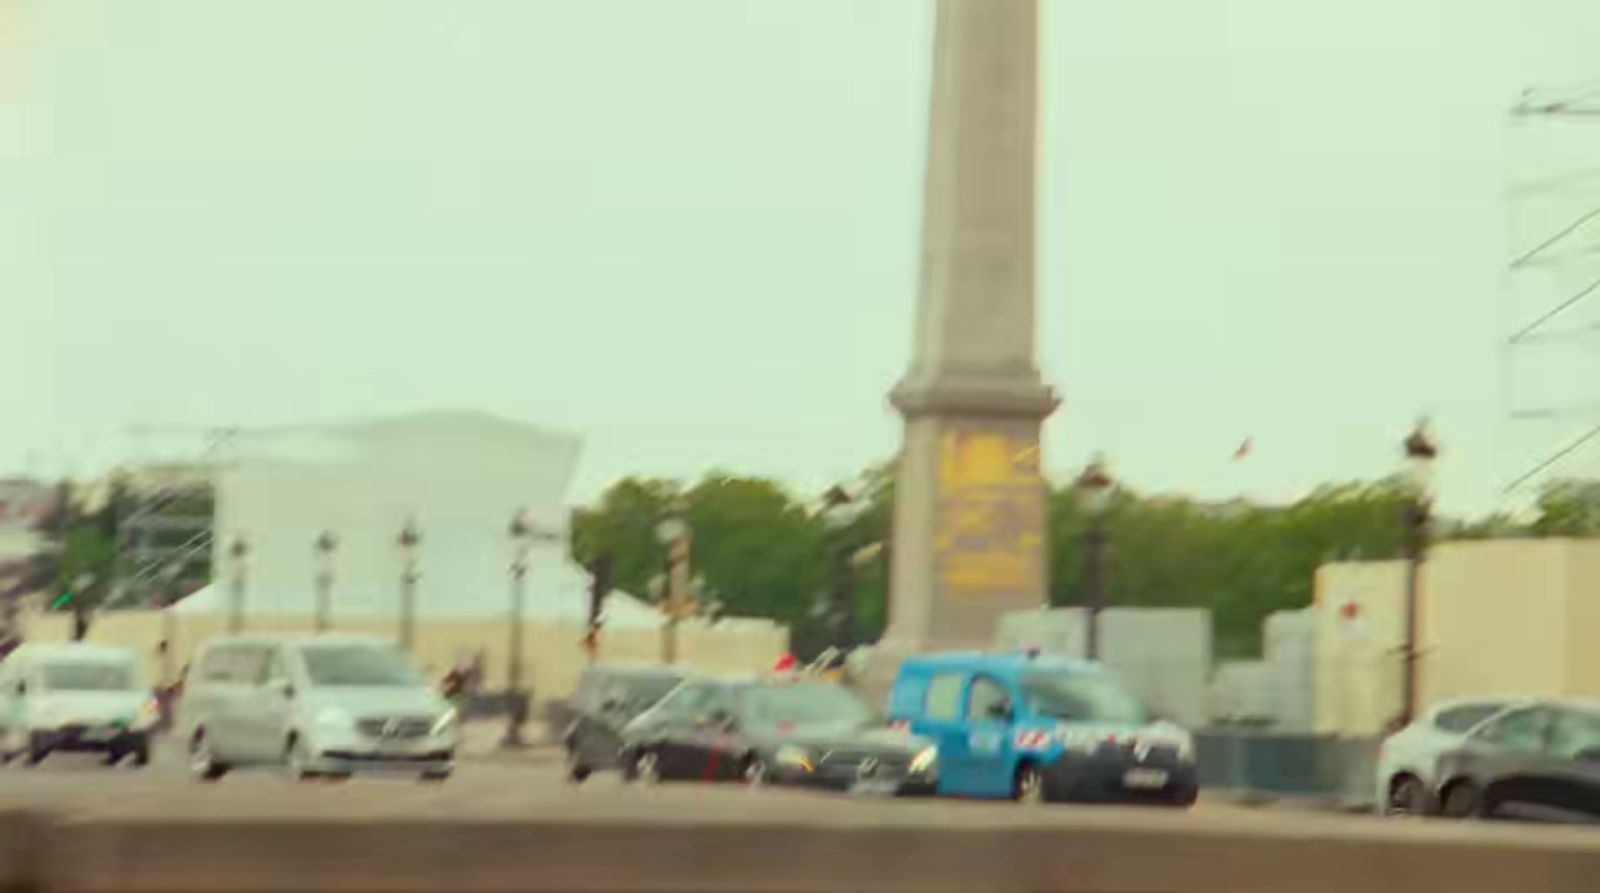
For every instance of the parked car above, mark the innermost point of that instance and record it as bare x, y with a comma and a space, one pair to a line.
1042, 729
320, 705
1409, 759
783, 731
1540, 760
75, 697
608, 697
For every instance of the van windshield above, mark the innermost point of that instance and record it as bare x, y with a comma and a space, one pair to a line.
360, 666
87, 676
1081, 697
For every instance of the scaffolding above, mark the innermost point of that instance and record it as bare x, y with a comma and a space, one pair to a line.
1550, 350
165, 529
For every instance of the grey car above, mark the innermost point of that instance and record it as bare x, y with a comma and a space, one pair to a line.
1540, 760
608, 697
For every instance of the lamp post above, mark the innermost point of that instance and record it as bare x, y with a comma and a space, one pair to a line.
169, 622
410, 540
239, 553
675, 534
1420, 452
523, 535
1096, 485
325, 546
838, 510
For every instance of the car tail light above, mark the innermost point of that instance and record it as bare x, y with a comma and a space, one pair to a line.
900, 725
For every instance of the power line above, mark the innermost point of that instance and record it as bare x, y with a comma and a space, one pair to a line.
1569, 230
1556, 311
1560, 454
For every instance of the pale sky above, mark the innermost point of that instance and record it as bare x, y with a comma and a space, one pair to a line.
689, 229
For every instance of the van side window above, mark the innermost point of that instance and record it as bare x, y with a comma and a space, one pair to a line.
989, 699
214, 667
275, 670
235, 665
944, 697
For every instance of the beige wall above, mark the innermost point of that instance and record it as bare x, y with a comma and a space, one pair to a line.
1505, 617
1583, 620
1495, 619
1357, 678
553, 654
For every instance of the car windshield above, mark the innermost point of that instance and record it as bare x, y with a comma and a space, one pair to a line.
643, 690
84, 676
800, 706
349, 666
1081, 697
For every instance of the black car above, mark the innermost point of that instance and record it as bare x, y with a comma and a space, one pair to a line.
785, 732
1539, 761
607, 698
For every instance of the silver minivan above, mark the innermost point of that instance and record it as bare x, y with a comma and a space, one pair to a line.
75, 697
317, 705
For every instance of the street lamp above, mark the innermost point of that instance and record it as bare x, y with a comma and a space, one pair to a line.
523, 534
239, 553
80, 605
409, 541
169, 596
675, 534
325, 546
1421, 454
1096, 485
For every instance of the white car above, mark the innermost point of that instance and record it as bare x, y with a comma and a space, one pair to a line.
1408, 759
317, 705
75, 697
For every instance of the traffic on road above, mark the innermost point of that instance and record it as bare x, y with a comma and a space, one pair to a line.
965, 726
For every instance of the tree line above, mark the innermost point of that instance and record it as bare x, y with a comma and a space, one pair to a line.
765, 551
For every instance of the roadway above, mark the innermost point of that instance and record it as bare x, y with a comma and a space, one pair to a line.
528, 784
532, 785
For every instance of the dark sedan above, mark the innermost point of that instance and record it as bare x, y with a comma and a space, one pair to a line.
1541, 761
607, 698
802, 733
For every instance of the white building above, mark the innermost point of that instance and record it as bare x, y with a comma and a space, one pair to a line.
459, 476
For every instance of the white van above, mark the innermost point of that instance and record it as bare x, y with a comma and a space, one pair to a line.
75, 697
318, 705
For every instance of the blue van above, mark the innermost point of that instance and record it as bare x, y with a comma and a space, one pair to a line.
1042, 729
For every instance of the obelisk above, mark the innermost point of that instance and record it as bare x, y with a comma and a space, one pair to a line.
969, 540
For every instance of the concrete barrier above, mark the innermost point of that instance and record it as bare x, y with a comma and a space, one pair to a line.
745, 849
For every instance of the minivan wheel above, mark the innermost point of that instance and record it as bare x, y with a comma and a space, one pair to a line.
297, 758
203, 763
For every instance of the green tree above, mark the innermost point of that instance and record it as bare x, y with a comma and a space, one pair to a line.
623, 524
759, 549
1568, 508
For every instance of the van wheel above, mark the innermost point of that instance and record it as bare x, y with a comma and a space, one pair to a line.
203, 763
1028, 787
297, 758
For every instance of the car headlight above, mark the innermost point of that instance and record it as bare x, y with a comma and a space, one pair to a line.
794, 757
445, 723
925, 760
1186, 748
335, 718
